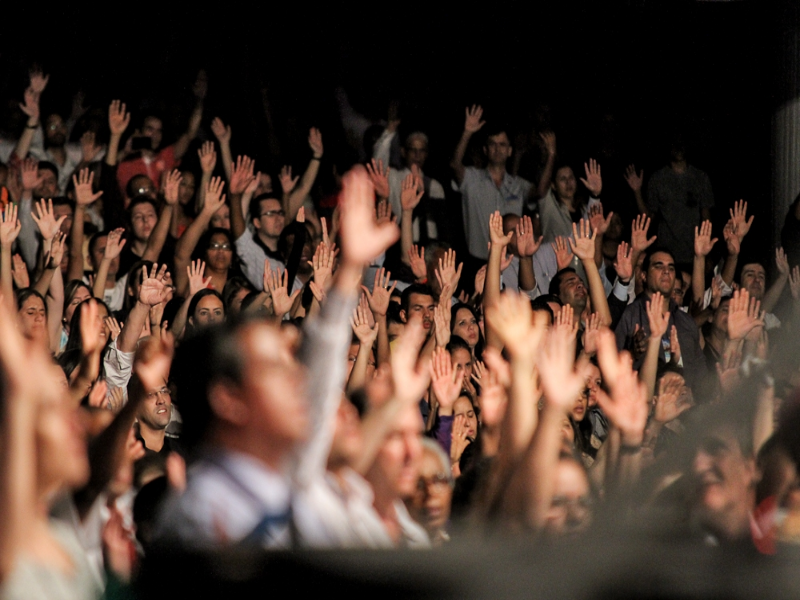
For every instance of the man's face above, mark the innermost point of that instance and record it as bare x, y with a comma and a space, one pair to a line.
498, 149
431, 502
55, 132
754, 280
49, 186
564, 183
153, 129
156, 409
420, 307
64, 210
415, 152
573, 292
272, 218
396, 467
143, 220
723, 478
661, 274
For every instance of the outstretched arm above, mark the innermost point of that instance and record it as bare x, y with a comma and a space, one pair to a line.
776, 289
584, 248
294, 199
472, 125
157, 239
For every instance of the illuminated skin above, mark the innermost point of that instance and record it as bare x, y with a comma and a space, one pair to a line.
754, 280
462, 363
420, 306
466, 327
572, 291
463, 407
33, 320
143, 221
219, 253
565, 185
569, 513
661, 274
209, 311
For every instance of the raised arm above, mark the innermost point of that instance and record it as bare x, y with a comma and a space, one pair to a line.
9, 230
366, 335
735, 231
118, 121
83, 198
152, 291
411, 191
295, 198
157, 239
379, 299
491, 288
776, 289
583, 247
208, 160
659, 321
472, 124
634, 180
241, 177
223, 134
200, 88
114, 245
702, 246
549, 139
31, 108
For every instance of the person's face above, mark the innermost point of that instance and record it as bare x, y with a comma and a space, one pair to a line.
573, 292
144, 186
209, 311
219, 253
156, 409
186, 188
60, 445
396, 467
464, 408
64, 210
593, 383
661, 274
33, 319
498, 149
564, 183
754, 280
723, 477
462, 363
431, 501
570, 508
236, 301
143, 221
466, 327
415, 152
97, 257
49, 186
222, 218
578, 411
55, 132
420, 307
81, 294
271, 220
273, 385
567, 433
678, 292
347, 440
720, 319
153, 129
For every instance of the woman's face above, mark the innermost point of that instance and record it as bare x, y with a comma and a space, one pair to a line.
578, 411
81, 294
186, 188
464, 407
570, 509
462, 362
593, 383
33, 319
466, 327
219, 253
105, 332
208, 311
222, 218
431, 502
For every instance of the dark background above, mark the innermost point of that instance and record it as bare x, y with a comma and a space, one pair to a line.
613, 79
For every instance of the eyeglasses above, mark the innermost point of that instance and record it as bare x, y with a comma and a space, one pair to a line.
274, 213
564, 503
163, 392
438, 481
218, 246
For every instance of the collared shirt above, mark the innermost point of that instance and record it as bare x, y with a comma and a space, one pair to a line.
252, 254
481, 197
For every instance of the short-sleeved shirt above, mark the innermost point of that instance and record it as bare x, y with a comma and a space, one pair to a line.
163, 162
678, 199
481, 197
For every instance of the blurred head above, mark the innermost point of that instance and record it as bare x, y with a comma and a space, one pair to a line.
48, 188
394, 474
268, 216
74, 293
156, 410
719, 320
140, 185
498, 148
564, 183
235, 290
64, 207
465, 406
570, 289
55, 131
75, 339
461, 357
97, 249
154, 129
570, 511
222, 218
186, 188
219, 249
347, 442
415, 151
430, 505
593, 383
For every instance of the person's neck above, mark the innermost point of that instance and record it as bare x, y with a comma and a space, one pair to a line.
111, 281
59, 155
269, 242
138, 247
678, 166
153, 438
233, 439
497, 173
734, 524
568, 201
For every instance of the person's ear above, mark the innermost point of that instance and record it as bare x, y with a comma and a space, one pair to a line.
510, 150
403, 316
228, 405
256, 223
190, 320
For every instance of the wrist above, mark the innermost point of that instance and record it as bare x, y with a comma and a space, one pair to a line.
631, 444
527, 258
421, 280
315, 157
33, 123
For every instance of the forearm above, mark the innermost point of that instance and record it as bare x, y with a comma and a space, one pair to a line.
181, 317
158, 237
55, 308
129, 336
384, 352
640, 204
491, 293
547, 176
184, 249
112, 153
597, 292
200, 201
406, 235
24, 142
75, 269
100, 278
298, 195
457, 162
527, 277
227, 159
45, 279
774, 293
539, 469
728, 269
358, 376
238, 226
699, 279
6, 277
182, 144
649, 370
521, 411
88, 371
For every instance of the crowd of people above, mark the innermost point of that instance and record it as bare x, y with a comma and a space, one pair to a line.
226, 358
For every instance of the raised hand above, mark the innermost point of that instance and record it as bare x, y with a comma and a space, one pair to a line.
590, 334
379, 175
732, 241
214, 198
549, 140
46, 220
38, 81
195, 271
30, 106
19, 271
593, 180
447, 272
674, 346
409, 378
118, 118
583, 245
480, 280
57, 248
741, 223
89, 148
411, 192
83, 188
445, 381
416, 259
114, 244
362, 238
716, 292
366, 333
30, 175
505, 259
562, 380
383, 212
671, 402
520, 330
91, 327
322, 263
563, 253
627, 407
381, 293
496, 235
221, 131
241, 174
473, 122
639, 239
315, 142
781, 262
599, 223
702, 239
441, 324
208, 157
634, 180
9, 226
527, 244
565, 319
658, 319
277, 282
287, 181
113, 326
623, 265
743, 315
170, 186
153, 289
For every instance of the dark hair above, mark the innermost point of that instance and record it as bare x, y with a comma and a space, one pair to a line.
204, 243
137, 200
457, 343
69, 360
479, 345
555, 282
47, 166
199, 296
414, 288
541, 304
130, 189
493, 128
748, 260
25, 293
255, 204
648, 256
393, 313
63, 201
232, 287
74, 341
248, 300
72, 288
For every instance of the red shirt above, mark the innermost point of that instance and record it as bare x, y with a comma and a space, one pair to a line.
162, 163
